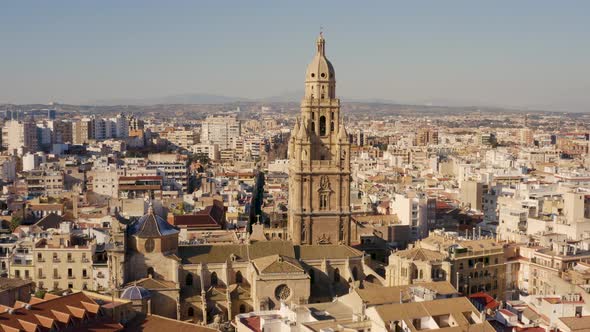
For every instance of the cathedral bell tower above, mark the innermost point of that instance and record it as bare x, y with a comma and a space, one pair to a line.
319, 161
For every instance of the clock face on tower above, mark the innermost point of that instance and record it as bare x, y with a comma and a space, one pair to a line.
149, 245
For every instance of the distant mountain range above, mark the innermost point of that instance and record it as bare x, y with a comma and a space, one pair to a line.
294, 96
196, 98
201, 98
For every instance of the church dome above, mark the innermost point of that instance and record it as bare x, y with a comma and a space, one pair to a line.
320, 68
135, 293
151, 225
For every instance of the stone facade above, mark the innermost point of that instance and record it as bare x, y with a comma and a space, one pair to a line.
319, 161
417, 265
201, 282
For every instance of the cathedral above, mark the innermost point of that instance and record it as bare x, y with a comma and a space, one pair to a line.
208, 283
319, 161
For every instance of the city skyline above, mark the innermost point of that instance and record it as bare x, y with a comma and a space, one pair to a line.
325, 215
524, 55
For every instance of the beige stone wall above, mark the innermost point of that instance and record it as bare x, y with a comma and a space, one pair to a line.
138, 264
165, 303
63, 268
490, 275
265, 287
402, 271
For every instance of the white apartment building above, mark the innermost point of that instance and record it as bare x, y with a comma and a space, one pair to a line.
105, 181
211, 150
7, 168
415, 210
221, 130
173, 169
184, 138
17, 135
32, 160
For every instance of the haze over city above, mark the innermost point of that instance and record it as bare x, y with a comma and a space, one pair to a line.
274, 166
524, 54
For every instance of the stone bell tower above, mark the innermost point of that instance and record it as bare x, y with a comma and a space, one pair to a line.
319, 161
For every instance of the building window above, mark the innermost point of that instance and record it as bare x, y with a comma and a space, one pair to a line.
324, 199
336, 275
214, 279
242, 308
239, 278
188, 280
70, 274
322, 125
191, 312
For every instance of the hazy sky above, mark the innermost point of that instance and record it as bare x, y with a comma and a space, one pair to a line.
516, 53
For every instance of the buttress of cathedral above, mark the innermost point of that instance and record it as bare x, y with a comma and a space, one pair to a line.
319, 161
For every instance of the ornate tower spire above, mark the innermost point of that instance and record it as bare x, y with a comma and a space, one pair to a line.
319, 166
321, 44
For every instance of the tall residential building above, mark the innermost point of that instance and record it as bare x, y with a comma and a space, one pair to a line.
173, 168
7, 168
135, 124
472, 194
221, 130
526, 137
83, 131
20, 135
319, 161
101, 129
426, 136
121, 126
488, 139
61, 131
415, 210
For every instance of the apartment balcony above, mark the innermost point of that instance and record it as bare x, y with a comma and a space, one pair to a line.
41, 260
86, 277
55, 276
57, 260
41, 277
71, 277
71, 260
